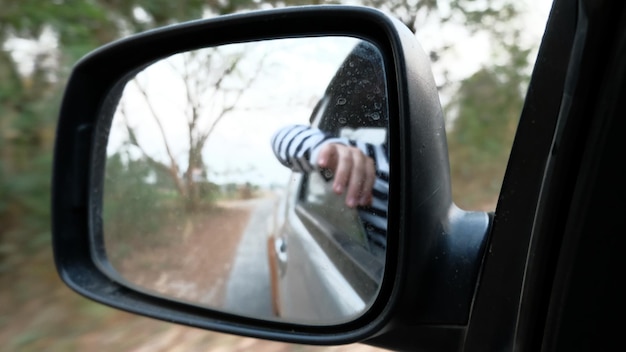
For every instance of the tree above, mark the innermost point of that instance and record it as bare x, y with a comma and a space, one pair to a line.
488, 110
482, 119
211, 86
128, 197
50, 36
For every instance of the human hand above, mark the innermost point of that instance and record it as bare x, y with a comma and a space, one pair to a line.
354, 172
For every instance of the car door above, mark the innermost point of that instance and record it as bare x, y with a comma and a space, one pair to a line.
324, 233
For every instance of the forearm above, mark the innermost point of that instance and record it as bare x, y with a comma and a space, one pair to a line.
297, 146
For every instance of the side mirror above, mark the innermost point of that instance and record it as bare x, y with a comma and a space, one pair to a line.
168, 200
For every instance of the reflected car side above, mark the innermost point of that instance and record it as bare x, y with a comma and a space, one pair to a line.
324, 267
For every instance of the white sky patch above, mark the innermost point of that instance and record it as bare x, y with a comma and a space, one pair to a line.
26, 51
470, 51
141, 15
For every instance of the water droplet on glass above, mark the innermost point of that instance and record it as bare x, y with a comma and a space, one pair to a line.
375, 116
341, 101
343, 120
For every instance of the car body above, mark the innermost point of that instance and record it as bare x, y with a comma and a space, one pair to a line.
542, 273
325, 268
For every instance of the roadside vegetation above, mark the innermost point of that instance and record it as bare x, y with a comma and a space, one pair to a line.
39, 43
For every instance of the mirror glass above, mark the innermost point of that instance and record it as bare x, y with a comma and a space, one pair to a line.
253, 178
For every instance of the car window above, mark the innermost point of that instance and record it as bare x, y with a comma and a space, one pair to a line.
354, 107
340, 221
318, 197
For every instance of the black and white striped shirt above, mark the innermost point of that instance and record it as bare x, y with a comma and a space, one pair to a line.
297, 147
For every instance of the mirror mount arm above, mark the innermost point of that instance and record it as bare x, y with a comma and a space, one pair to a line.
442, 303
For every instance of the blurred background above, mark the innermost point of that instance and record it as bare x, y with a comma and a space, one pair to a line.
482, 53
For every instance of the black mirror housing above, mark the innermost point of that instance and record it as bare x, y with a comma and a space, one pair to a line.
434, 249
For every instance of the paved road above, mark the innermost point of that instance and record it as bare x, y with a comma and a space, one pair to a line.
248, 289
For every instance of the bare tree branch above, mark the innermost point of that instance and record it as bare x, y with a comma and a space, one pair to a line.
156, 118
212, 88
238, 95
171, 170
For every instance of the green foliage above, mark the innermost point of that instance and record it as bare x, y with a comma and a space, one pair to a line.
29, 104
487, 106
134, 207
486, 109
4, 191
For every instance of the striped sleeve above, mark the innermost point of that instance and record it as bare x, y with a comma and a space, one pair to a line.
297, 146
374, 216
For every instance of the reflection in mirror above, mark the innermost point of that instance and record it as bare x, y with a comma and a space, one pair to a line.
227, 184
